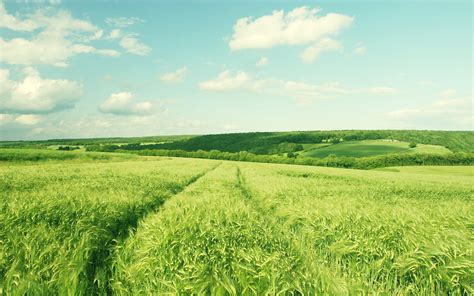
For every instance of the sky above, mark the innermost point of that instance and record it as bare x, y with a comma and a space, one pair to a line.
75, 69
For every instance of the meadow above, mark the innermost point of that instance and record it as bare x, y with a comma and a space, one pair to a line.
371, 148
161, 225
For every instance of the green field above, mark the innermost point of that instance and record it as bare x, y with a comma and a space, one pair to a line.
189, 226
371, 148
446, 171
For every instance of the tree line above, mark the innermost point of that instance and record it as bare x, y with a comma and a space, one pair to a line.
458, 158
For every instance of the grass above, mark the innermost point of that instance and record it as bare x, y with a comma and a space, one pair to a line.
14, 155
310, 146
371, 148
58, 222
447, 171
269, 229
190, 226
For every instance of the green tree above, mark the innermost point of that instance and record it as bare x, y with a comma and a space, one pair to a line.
412, 145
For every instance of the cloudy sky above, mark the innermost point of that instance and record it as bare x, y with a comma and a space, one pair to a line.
73, 69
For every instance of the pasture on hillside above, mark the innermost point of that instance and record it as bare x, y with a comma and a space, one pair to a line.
193, 226
372, 148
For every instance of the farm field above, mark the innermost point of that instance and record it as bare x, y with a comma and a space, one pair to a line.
372, 148
447, 171
193, 226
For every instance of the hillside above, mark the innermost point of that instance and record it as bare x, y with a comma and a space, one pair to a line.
284, 142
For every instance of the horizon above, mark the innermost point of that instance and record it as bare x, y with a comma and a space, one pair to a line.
230, 133
72, 70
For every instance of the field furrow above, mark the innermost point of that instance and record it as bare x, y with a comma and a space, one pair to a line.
210, 240
182, 226
373, 234
58, 224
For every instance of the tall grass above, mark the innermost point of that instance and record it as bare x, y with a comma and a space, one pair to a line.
238, 229
269, 229
11, 155
58, 223
382, 233
209, 240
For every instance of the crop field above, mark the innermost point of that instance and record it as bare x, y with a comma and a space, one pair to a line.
371, 148
446, 171
193, 226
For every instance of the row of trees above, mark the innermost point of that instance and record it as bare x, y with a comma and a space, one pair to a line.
387, 160
285, 142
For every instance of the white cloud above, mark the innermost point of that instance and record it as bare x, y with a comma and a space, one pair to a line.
359, 49
34, 95
24, 119
132, 45
263, 61
123, 22
300, 91
121, 104
58, 36
448, 93
301, 26
115, 33
298, 27
446, 103
457, 112
13, 23
6, 118
314, 51
129, 42
226, 81
28, 119
176, 76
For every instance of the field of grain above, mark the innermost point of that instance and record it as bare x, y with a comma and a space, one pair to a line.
190, 226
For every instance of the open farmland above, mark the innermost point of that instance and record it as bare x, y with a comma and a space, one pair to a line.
58, 222
189, 226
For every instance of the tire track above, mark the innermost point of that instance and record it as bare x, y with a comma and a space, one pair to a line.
99, 270
318, 277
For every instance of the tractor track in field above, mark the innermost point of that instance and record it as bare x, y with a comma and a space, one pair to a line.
267, 213
99, 271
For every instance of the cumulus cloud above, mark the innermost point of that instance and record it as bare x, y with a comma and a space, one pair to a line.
27, 119
313, 52
35, 95
23, 119
298, 27
115, 33
123, 22
57, 37
226, 80
132, 45
301, 26
13, 23
175, 77
263, 61
122, 104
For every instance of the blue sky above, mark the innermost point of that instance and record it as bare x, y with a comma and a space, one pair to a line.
113, 68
